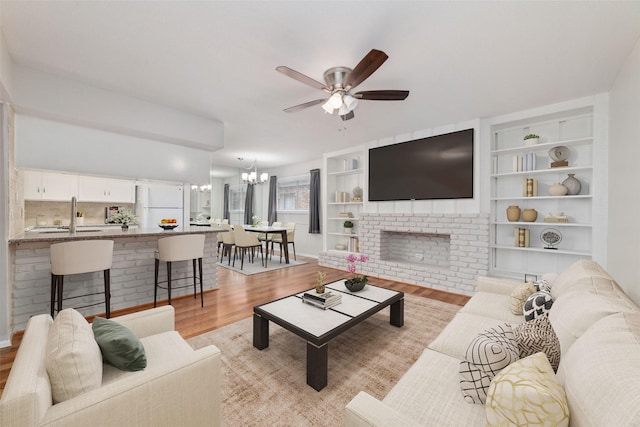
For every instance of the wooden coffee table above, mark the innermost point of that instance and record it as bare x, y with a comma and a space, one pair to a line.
318, 326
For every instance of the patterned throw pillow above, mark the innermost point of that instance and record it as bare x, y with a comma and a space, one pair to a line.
538, 304
538, 336
527, 393
487, 354
543, 286
519, 295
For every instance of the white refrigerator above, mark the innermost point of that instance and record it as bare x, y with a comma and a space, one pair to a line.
157, 202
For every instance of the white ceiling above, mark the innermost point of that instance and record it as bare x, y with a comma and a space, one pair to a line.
217, 59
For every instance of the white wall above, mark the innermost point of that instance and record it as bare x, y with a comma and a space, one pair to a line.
624, 156
47, 144
6, 70
66, 100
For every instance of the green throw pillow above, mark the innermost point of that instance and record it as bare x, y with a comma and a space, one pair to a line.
119, 346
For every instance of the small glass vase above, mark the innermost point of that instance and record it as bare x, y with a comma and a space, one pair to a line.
125, 227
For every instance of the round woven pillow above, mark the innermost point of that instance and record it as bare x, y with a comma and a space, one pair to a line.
538, 304
519, 295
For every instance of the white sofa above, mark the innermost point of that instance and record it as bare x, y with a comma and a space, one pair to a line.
598, 327
179, 386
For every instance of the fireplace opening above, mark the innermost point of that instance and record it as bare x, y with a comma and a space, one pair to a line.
428, 249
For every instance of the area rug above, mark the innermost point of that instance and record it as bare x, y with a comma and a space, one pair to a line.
268, 387
256, 267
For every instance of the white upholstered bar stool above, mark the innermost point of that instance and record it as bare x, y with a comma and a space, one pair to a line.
180, 248
83, 256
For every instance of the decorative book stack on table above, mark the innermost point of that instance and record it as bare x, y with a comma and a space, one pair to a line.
324, 300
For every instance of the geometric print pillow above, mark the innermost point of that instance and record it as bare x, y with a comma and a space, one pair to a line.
543, 286
487, 354
519, 295
538, 304
527, 393
538, 336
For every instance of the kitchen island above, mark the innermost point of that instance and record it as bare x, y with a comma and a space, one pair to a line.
132, 272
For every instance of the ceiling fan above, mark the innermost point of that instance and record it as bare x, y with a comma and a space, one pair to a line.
339, 81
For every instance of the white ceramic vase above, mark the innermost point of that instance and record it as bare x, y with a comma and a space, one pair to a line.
558, 189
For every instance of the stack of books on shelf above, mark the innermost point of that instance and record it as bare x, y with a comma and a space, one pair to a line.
325, 300
522, 237
524, 162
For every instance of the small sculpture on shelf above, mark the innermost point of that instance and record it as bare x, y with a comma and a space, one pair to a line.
551, 237
559, 155
357, 194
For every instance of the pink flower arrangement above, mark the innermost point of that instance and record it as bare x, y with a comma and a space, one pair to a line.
355, 283
352, 259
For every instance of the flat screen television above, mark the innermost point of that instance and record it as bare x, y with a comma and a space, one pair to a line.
437, 167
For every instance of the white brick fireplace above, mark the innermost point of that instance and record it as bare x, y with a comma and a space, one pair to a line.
440, 251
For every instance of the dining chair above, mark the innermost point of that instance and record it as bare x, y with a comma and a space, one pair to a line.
247, 243
228, 242
291, 232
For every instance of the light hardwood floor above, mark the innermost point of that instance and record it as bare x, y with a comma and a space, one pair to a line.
236, 297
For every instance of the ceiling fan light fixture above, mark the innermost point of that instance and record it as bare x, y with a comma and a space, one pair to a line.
350, 102
343, 110
327, 107
336, 100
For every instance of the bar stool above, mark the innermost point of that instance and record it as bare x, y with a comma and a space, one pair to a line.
84, 256
179, 248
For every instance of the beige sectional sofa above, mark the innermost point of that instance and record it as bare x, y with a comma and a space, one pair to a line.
598, 327
178, 387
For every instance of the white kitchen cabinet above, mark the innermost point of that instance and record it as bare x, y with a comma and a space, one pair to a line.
49, 186
98, 189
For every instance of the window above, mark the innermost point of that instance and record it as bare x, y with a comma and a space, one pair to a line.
237, 195
293, 193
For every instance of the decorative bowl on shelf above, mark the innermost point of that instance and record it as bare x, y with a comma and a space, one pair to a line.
167, 226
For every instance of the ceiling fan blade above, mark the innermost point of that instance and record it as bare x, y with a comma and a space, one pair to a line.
303, 106
367, 66
350, 115
302, 78
382, 95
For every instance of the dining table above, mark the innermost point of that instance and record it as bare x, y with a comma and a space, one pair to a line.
267, 229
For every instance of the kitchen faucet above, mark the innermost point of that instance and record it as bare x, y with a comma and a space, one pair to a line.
74, 212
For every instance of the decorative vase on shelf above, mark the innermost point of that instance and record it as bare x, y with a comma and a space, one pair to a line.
558, 189
529, 215
573, 185
125, 227
513, 213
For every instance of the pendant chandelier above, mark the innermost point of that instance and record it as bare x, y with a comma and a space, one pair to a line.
252, 176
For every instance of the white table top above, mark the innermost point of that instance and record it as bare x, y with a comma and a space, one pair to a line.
317, 321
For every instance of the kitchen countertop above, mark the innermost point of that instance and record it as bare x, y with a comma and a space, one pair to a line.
110, 232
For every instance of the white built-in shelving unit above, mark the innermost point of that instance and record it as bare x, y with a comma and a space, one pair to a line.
574, 129
344, 170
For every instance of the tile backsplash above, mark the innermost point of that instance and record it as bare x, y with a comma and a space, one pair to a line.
94, 213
